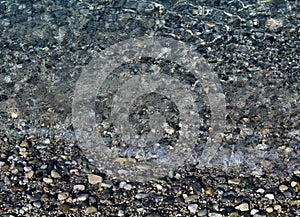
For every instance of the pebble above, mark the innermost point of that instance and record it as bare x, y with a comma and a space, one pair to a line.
202, 212
209, 190
254, 211
29, 175
5, 168
24, 144
234, 181
122, 184
63, 195
83, 197
127, 187
79, 187
260, 190
191, 198
294, 184
37, 204
55, 174
90, 210
141, 196
121, 213
48, 180
270, 196
215, 214
269, 209
159, 187
193, 208
234, 214
283, 188
47, 141
94, 179
277, 207
35, 197
243, 207
64, 207
27, 169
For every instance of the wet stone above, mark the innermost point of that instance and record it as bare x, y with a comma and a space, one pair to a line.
64, 207
270, 196
141, 196
94, 179
193, 208
35, 197
83, 197
37, 204
90, 210
48, 180
79, 187
55, 174
243, 207
215, 214
29, 175
202, 212
63, 195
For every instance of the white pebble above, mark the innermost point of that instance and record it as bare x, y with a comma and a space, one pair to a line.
79, 187
193, 207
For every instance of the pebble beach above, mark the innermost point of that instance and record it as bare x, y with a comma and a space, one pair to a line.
252, 46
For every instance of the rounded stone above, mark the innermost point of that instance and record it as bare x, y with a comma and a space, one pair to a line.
90, 210
94, 179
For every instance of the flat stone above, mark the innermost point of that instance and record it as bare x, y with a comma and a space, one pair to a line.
234, 181
90, 210
94, 179
83, 197
215, 214
243, 207
48, 180
141, 196
260, 190
55, 174
79, 187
